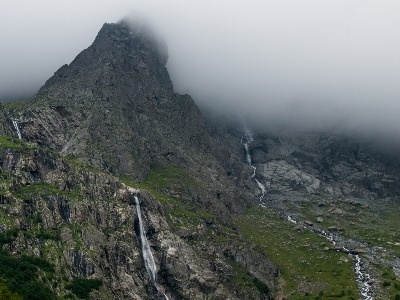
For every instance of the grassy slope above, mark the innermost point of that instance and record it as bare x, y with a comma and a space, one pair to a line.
370, 221
308, 272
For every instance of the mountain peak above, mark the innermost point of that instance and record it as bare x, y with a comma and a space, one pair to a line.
116, 94
118, 51
132, 36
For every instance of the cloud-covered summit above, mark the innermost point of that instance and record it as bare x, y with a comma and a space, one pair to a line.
311, 63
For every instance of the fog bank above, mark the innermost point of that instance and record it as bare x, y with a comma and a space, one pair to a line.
301, 64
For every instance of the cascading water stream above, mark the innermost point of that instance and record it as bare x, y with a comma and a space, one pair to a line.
249, 138
363, 279
16, 128
146, 251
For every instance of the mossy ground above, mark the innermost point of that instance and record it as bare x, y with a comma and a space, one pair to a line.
43, 190
15, 104
369, 221
171, 186
308, 271
390, 284
14, 143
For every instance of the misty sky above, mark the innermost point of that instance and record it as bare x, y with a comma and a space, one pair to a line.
311, 62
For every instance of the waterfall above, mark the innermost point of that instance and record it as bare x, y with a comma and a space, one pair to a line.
146, 252
249, 138
16, 128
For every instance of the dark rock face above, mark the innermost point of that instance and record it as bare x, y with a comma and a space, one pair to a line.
5, 122
109, 127
115, 106
316, 163
101, 130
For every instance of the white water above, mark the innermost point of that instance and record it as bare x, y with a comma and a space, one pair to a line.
249, 138
16, 128
363, 279
146, 251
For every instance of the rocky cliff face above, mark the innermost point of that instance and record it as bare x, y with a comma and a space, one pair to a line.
109, 127
102, 130
116, 98
325, 164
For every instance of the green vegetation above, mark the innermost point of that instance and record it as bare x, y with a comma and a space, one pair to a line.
8, 236
162, 180
170, 177
7, 294
82, 287
261, 286
390, 283
14, 143
240, 278
41, 189
373, 222
21, 274
308, 271
6, 179
172, 188
49, 234
15, 104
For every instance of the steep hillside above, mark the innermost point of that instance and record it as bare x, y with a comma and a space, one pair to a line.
113, 186
345, 193
105, 160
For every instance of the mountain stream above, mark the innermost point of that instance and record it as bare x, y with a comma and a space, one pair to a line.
363, 279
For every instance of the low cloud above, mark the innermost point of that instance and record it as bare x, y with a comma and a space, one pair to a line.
311, 64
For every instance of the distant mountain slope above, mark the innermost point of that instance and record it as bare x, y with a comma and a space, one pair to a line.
107, 138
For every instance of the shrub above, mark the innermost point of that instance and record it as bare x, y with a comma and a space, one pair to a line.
261, 286
386, 283
20, 274
82, 287
7, 294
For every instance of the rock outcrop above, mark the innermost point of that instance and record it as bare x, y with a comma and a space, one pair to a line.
321, 164
103, 129
109, 127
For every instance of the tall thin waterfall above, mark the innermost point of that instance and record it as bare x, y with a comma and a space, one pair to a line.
249, 138
16, 128
146, 252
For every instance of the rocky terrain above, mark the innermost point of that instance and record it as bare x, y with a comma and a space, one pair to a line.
113, 186
341, 189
